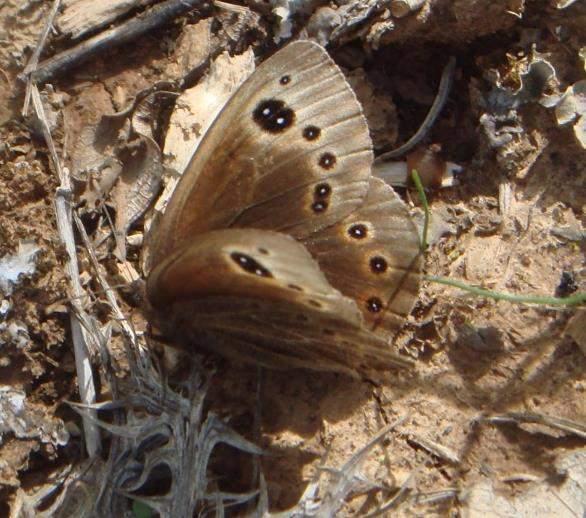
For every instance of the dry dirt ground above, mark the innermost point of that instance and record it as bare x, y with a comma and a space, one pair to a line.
514, 222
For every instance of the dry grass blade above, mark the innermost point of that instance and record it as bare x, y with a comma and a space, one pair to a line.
34, 59
564, 425
436, 496
82, 336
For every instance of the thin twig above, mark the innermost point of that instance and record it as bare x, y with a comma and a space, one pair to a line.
34, 60
81, 17
436, 108
435, 448
116, 36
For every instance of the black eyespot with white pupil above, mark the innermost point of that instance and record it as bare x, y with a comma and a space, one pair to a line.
285, 80
358, 231
319, 206
250, 265
327, 161
311, 133
273, 115
374, 305
322, 190
378, 264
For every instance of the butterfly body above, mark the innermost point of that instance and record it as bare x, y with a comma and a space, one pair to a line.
277, 246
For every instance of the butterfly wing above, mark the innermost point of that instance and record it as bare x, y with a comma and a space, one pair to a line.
290, 152
259, 296
373, 256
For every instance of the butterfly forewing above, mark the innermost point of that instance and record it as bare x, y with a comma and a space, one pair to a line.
290, 151
278, 335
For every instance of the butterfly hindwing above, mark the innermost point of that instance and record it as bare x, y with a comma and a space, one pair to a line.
373, 256
259, 296
245, 263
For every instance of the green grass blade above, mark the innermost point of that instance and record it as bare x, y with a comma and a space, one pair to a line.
573, 300
423, 198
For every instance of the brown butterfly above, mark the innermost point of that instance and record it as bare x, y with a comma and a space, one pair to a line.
278, 247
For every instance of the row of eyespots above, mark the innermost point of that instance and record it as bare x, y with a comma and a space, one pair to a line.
321, 197
274, 116
250, 265
309, 132
322, 191
377, 263
326, 161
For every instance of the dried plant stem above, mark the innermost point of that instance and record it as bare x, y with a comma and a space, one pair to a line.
80, 335
435, 448
436, 108
574, 427
234, 8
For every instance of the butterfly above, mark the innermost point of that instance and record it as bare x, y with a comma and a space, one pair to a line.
278, 247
